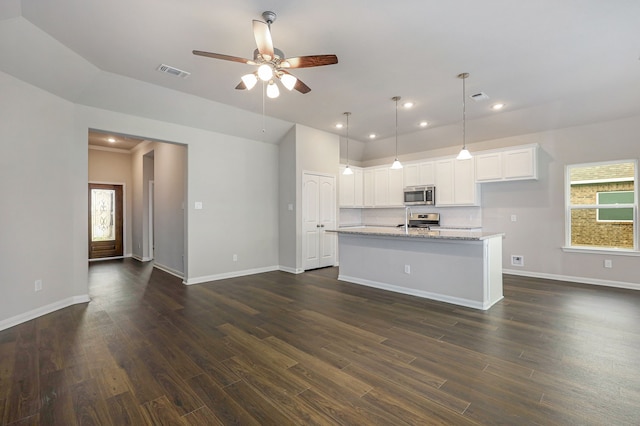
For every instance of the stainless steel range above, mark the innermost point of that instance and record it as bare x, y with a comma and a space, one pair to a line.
423, 220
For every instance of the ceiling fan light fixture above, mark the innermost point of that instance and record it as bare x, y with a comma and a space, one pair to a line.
272, 90
265, 72
249, 80
288, 81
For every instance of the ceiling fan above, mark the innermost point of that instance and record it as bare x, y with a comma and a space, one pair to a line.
272, 63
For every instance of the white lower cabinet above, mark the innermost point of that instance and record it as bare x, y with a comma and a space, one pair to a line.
455, 183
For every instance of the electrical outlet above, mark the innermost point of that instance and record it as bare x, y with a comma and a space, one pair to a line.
235, 257
517, 260
407, 269
608, 263
38, 285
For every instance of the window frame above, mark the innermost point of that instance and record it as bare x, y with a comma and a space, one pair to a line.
568, 207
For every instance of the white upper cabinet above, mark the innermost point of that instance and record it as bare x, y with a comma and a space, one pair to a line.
455, 184
351, 188
416, 174
396, 187
369, 189
509, 164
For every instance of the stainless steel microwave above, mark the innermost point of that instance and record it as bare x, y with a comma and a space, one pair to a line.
420, 195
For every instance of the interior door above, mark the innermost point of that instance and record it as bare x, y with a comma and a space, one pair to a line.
105, 221
318, 215
310, 221
327, 220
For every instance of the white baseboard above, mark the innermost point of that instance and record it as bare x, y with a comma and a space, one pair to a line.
419, 293
168, 270
290, 270
225, 275
580, 280
43, 310
141, 259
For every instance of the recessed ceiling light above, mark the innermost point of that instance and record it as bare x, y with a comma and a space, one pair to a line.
423, 124
372, 135
339, 126
497, 107
407, 104
112, 140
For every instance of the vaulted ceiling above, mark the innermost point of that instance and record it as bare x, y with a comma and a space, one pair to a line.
553, 63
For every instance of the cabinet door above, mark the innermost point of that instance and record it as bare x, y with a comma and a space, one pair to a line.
444, 182
410, 172
368, 183
358, 188
426, 173
520, 164
381, 187
489, 167
464, 184
346, 196
327, 220
396, 186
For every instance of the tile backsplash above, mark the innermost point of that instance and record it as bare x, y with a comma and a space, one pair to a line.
467, 217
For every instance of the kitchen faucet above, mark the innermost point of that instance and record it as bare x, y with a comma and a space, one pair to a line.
407, 214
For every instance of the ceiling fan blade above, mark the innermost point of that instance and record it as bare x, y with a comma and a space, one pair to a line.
223, 57
309, 61
241, 86
262, 34
301, 87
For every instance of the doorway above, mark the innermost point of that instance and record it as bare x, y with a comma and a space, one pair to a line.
105, 221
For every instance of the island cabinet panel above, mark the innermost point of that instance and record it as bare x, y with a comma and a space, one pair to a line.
466, 272
455, 183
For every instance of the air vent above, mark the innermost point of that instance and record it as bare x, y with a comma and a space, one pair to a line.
173, 71
479, 97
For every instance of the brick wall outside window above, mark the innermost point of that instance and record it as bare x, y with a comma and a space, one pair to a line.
585, 229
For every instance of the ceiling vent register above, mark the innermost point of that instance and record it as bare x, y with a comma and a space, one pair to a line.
173, 71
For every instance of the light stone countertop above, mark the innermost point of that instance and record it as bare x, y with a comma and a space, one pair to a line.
399, 232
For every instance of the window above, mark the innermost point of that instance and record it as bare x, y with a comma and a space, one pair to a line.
590, 226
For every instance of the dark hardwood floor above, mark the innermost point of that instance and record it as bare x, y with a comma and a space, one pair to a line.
279, 349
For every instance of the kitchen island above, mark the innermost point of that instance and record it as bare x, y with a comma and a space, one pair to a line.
454, 266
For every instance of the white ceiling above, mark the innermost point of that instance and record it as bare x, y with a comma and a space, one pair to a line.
554, 63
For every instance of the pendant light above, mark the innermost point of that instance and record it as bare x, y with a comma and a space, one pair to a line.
396, 163
347, 170
464, 152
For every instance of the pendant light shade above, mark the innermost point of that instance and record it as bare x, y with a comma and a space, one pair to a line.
272, 90
464, 152
249, 80
396, 163
347, 170
288, 81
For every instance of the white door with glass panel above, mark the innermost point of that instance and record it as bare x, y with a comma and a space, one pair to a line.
105, 221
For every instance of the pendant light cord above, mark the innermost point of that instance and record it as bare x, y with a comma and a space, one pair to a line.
347, 114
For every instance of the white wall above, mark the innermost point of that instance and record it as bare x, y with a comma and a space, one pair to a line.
115, 168
44, 175
538, 233
287, 196
316, 151
43, 181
